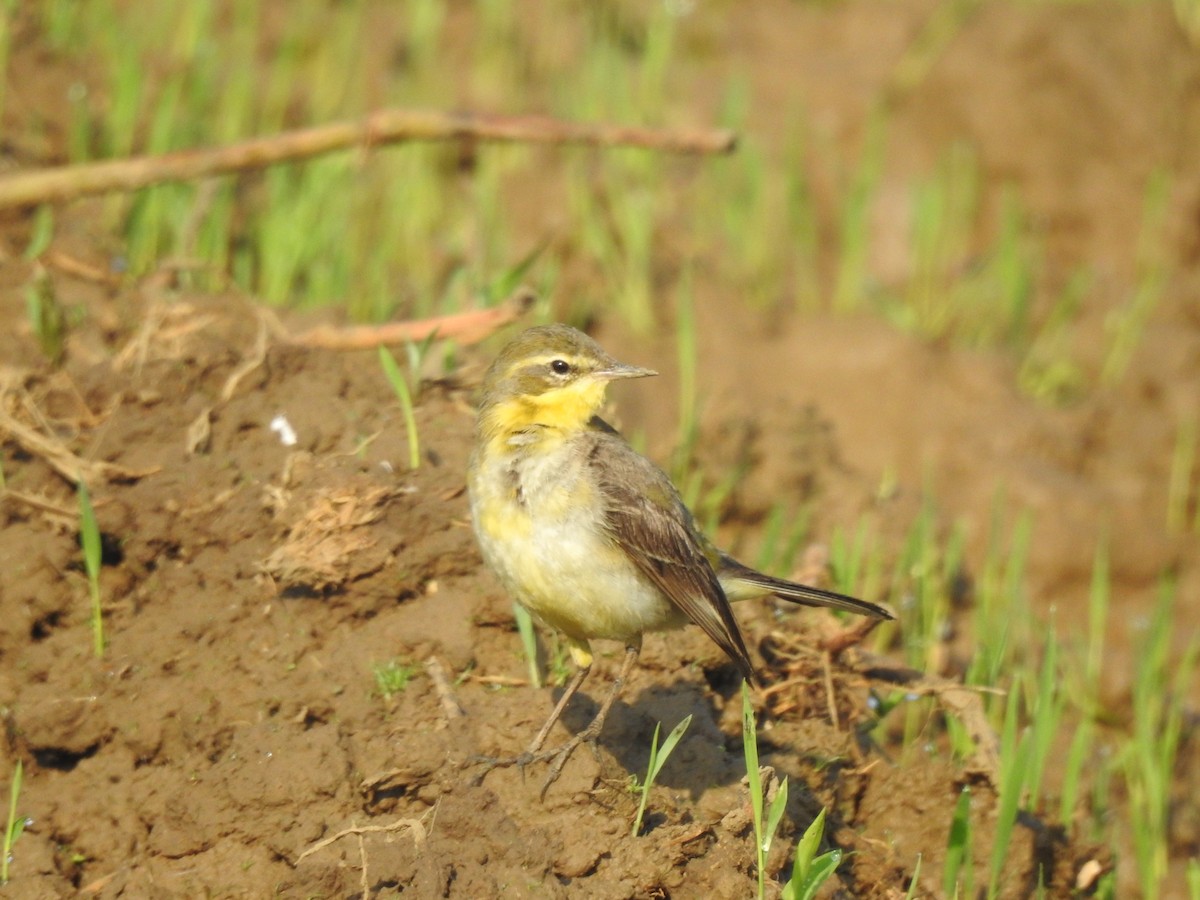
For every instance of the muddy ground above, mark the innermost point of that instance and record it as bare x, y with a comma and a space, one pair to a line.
252, 589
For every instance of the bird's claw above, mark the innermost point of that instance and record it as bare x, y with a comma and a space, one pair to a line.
557, 758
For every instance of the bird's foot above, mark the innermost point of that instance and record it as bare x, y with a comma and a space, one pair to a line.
488, 763
557, 757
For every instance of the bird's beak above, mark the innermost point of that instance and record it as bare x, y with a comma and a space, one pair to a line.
621, 370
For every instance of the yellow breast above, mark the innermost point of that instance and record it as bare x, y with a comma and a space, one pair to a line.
539, 518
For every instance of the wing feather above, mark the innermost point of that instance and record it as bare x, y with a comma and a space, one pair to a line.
648, 521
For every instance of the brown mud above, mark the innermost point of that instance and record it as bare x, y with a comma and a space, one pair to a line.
252, 589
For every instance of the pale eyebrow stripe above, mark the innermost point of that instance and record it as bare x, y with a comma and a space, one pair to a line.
549, 358
534, 362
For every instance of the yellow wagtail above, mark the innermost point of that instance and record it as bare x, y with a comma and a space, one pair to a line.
588, 535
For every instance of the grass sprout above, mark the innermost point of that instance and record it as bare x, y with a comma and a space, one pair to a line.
853, 230
1125, 325
957, 877
1047, 707
89, 539
764, 828
559, 664
1181, 494
46, 317
911, 893
396, 378
856, 563
1048, 372
393, 676
783, 535
15, 824
1148, 760
658, 758
1099, 595
529, 642
42, 233
1014, 762
810, 871
1077, 759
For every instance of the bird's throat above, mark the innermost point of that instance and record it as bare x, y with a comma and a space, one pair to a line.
563, 410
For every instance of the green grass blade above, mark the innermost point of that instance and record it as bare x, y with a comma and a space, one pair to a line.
658, 758
669, 744
644, 787
806, 847
89, 537
958, 847
774, 815
810, 871
911, 893
1014, 770
821, 870
15, 825
754, 783
528, 633
392, 369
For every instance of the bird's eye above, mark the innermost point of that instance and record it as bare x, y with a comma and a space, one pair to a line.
560, 366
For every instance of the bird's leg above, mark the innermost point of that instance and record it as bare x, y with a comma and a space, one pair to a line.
582, 656
560, 755
563, 753
572, 687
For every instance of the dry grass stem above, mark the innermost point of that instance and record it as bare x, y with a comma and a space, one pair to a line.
416, 826
437, 674
466, 327
385, 126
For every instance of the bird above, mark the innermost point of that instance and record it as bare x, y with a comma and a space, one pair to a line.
587, 534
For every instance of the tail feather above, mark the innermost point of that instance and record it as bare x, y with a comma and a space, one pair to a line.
741, 581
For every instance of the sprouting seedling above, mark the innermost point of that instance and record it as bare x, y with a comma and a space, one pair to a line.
559, 663
89, 537
810, 871
509, 280
43, 232
392, 370
525, 628
658, 758
916, 879
16, 824
415, 352
764, 831
393, 676
1016, 766
958, 850
46, 316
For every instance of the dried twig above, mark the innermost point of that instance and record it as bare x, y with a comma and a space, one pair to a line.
466, 327
78, 268
437, 674
58, 457
416, 825
381, 127
830, 697
835, 644
257, 356
364, 881
56, 512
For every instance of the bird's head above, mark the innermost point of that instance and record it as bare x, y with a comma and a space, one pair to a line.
552, 376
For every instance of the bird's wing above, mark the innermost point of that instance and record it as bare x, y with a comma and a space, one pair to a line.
648, 521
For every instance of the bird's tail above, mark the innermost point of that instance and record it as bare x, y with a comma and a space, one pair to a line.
741, 582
